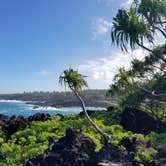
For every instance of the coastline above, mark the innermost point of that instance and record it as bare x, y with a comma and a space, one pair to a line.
35, 106
27, 108
92, 98
11, 101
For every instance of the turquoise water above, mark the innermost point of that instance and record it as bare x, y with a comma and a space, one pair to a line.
20, 108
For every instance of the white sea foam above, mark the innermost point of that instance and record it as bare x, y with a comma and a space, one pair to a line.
11, 101
79, 109
44, 108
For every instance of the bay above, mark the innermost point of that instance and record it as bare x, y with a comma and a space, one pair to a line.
21, 108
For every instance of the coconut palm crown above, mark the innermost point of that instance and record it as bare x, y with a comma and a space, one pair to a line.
128, 29
73, 79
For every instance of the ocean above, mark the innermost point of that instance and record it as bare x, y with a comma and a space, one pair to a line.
21, 108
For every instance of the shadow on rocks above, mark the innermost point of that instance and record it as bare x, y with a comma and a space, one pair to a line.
72, 150
77, 150
10, 125
141, 122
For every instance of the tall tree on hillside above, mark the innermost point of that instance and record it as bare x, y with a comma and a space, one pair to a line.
76, 82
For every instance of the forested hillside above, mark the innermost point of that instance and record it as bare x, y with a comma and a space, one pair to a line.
58, 99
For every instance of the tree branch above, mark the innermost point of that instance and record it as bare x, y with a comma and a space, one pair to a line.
160, 22
155, 27
160, 56
151, 93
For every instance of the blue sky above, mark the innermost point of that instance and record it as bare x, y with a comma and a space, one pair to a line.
41, 38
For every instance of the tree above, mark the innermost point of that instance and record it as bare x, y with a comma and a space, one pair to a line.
132, 28
129, 29
143, 85
154, 11
137, 26
76, 83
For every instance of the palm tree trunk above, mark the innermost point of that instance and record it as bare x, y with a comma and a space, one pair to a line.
105, 135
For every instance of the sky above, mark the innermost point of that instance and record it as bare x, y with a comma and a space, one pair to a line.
41, 38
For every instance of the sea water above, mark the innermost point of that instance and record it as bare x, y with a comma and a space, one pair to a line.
21, 108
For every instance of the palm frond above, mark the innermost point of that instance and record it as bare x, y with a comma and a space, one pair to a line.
128, 30
73, 79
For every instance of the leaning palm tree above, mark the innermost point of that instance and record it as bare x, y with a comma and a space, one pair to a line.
76, 82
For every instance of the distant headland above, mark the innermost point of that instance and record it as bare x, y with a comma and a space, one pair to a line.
93, 98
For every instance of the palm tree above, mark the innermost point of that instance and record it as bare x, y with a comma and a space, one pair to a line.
76, 82
154, 11
129, 29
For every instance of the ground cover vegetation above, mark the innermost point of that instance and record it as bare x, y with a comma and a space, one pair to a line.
34, 140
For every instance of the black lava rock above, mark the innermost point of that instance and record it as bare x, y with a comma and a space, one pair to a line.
140, 122
39, 117
129, 144
110, 108
77, 150
88, 111
72, 150
10, 125
14, 124
3, 120
112, 155
2, 157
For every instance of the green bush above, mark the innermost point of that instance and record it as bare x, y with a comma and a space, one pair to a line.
33, 140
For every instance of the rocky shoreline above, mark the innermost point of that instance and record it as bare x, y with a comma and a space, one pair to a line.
133, 120
10, 125
46, 104
76, 149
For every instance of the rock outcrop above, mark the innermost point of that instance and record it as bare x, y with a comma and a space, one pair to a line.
77, 150
140, 122
39, 117
111, 155
14, 124
3, 120
72, 150
88, 111
10, 125
129, 144
110, 108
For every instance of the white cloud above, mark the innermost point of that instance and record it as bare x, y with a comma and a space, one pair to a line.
44, 72
159, 38
126, 4
100, 27
102, 71
121, 3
